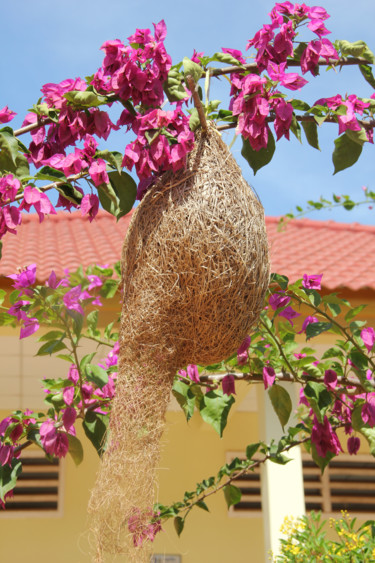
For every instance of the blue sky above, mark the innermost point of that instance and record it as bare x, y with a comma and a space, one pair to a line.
47, 42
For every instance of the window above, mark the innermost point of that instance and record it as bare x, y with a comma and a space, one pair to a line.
348, 483
39, 487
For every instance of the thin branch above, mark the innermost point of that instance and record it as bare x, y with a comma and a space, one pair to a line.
285, 377
310, 118
322, 62
198, 104
32, 126
51, 185
281, 351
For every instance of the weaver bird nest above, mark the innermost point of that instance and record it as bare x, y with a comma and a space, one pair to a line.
195, 272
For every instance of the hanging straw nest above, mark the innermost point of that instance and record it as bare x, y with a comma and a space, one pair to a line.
195, 273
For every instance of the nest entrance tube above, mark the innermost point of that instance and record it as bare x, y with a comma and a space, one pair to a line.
195, 272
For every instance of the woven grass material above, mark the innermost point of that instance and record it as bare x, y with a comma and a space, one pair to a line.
195, 272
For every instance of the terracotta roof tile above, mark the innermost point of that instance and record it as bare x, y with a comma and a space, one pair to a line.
344, 252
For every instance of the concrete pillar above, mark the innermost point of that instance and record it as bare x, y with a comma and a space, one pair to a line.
282, 485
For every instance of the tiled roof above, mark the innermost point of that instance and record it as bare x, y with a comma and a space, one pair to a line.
343, 252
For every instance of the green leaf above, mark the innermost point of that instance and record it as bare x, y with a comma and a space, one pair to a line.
311, 131
280, 279
356, 49
232, 495
108, 199
50, 348
126, 190
52, 335
369, 434
354, 312
2, 296
258, 159
114, 158
225, 58
194, 121
185, 397
9, 476
75, 449
191, 68
346, 153
109, 288
356, 419
179, 524
296, 128
214, 409
318, 397
9, 144
85, 99
173, 87
202, 505
70, 193
358, 137
281, 403
49, 173
366, 72
300, 105
97, 375
19, 168
251, 449
314, 329
95, 427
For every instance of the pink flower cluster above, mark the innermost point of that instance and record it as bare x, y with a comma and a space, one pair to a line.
136, 71
348, 121
255, 98
73, 125
163, 141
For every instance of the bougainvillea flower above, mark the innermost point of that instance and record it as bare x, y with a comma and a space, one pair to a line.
30, 326
72, 299
6, 115
68, 395
269, 376
289, 313
312, 282
54, 443
242, 352
278, 300
368, 337
6, 454
353, 444
25, 278
330, 379
325, 438
192, 373
41, 203
228, 385
368, 410
90, 206
98, 172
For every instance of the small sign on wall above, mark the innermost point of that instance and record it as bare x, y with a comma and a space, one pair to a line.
167, 558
